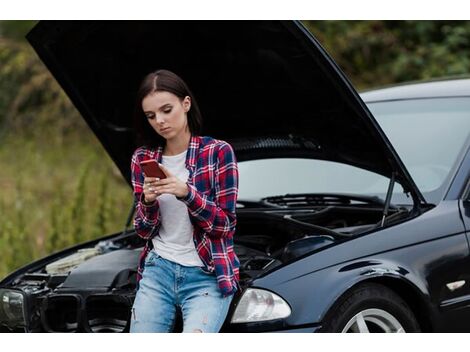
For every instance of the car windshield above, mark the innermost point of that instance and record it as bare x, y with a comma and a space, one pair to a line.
429, 135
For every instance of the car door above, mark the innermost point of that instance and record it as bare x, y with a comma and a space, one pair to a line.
456, 318
465, 198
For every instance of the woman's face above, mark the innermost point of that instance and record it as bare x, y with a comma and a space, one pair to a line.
167, 114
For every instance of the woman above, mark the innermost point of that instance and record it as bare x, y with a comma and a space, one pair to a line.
187, 218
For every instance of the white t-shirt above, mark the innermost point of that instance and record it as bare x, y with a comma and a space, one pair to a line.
175, 241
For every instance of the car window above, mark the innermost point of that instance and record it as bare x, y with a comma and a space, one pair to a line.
278, 176
428, 135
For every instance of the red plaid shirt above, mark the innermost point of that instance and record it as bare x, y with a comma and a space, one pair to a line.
211, 202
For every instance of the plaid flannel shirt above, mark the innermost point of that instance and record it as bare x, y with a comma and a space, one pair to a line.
211, 202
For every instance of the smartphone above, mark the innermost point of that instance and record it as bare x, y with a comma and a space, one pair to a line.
151, 169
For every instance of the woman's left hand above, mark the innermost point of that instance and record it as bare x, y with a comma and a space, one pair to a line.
171, 184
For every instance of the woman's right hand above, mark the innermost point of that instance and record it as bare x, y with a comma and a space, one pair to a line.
150, 191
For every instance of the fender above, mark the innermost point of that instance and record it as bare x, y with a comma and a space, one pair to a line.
401, 281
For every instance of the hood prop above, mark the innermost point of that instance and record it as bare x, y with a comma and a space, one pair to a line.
129, 219
388, 198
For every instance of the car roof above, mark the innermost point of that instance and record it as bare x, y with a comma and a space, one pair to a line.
423, 89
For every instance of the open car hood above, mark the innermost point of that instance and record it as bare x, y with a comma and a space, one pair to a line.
266, 87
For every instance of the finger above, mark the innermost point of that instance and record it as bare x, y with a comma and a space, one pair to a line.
150, 179
165, 170
158, 189
164, 181
151, 186
164, 189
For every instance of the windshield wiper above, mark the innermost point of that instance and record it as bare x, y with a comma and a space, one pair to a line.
290, 200
308, 199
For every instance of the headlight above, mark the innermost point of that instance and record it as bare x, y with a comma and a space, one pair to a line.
12, 312
260, 305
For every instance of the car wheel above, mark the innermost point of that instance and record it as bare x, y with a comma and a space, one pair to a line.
371, 308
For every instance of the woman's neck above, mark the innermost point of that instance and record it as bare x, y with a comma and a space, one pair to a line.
177, 146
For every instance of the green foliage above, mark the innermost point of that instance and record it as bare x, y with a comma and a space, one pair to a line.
376, 53
77, 217
15, 29
30, 93
103, 208
62, 198
49, 162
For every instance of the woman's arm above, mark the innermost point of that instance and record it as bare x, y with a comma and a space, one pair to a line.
217, 218
147, 219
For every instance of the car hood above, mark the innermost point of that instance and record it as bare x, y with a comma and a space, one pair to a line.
266, 87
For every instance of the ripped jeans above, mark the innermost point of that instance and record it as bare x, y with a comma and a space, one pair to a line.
165, 285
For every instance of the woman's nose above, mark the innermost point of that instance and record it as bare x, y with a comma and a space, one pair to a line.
159, 119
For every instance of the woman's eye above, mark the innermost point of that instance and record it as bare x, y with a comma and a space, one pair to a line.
167, 111
150, 117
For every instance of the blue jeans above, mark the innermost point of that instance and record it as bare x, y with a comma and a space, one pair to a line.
165, 285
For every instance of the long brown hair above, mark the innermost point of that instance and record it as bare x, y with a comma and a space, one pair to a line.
162, 81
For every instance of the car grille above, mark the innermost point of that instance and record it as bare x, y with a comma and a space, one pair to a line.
107, 313
61, 313
95, 313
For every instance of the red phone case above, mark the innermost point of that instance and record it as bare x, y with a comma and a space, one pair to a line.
151, 169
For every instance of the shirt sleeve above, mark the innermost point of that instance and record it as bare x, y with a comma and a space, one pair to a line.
147, 217
217, 217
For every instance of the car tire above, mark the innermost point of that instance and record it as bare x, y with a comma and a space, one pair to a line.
370, 307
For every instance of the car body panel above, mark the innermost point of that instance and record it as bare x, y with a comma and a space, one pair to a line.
456, 87
426, 252
461, 177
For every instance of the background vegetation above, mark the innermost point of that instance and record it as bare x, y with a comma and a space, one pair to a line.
58, 186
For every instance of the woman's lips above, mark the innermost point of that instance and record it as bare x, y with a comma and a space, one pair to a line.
165, 129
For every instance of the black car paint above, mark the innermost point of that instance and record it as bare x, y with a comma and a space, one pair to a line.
424, 253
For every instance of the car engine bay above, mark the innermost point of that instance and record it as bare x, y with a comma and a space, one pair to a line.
92, 289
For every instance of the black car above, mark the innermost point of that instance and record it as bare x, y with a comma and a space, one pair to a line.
353, 212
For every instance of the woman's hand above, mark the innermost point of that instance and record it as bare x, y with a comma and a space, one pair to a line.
149, 189
171, 185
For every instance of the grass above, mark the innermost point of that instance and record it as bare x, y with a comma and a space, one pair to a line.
56, 192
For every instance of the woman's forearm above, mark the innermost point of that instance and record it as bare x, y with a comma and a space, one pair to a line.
147, 216
217, 216
215, 220
147, 219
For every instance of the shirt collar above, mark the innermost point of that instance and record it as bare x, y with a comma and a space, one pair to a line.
191, 155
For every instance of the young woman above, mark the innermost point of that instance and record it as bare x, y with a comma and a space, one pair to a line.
187, 218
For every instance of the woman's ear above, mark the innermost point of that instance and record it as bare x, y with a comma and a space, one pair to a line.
187, 103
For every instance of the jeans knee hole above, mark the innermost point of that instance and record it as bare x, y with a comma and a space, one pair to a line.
133, 314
